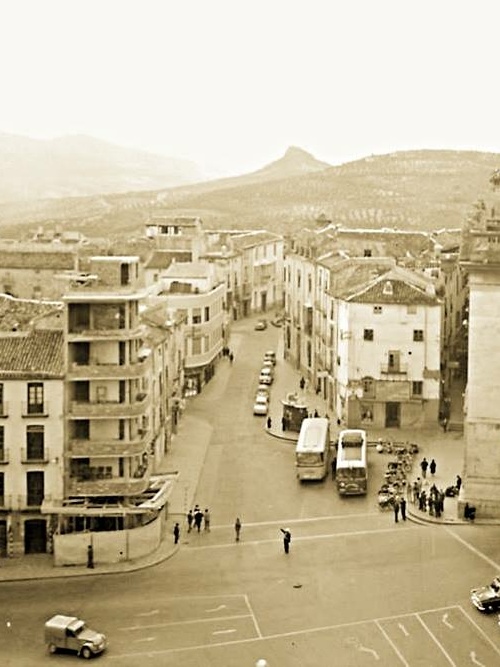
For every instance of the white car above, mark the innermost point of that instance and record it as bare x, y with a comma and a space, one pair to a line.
266, 376
270, 355
263, 390
261, 405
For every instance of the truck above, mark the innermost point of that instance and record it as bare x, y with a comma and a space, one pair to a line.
72, 634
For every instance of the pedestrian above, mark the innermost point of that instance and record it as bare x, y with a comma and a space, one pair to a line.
269, 422
334, 466
424, 464
237, 528
231, 357
177, 532
190, 519
198, 518
458, 483
302, 383
403, 509
287, 538
90, 556
422, 502
432, 467
444, 424
283, 423
206, 519
316, 413
396, 508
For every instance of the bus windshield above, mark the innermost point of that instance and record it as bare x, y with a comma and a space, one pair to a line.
313, 447
351, 469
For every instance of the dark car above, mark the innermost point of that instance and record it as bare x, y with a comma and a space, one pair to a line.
487, 598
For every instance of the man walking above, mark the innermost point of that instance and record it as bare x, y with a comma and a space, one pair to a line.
396, 508
424, 464
403, 509
287, 538
190, 519
177, 532
237, 528
206, 518
432, 467
198, 518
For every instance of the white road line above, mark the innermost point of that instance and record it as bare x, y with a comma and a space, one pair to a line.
224, 632
282, 635
473, 549
190, 622
403, 630
303, 520
145, 639
481, 632
304, 538
221, 606
436, 640
392, 644
256, 625
474, 660
446, 621
149, 613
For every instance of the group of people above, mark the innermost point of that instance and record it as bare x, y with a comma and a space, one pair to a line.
424, 464
197, 517
431, 500
226, 352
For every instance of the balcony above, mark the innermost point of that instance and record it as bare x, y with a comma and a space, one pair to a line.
35, 409
98, 484
80, 334
109, 409
109, 447
34, 455
93, 370
391, 369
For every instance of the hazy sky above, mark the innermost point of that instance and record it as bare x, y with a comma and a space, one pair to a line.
230, 84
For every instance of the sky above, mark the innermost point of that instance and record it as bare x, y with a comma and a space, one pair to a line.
231, 84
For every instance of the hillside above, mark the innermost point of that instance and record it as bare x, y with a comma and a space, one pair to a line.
426, 189
79, 165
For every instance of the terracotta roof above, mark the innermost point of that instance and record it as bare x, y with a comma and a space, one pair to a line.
161, 259
39, 353
396, 286
251, 239
41, 259
20, 314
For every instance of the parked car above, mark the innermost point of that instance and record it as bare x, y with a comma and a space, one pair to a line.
267, 363
72, 634
270, 355
261, 405
487, 598
262, 390
266, 376
260, 325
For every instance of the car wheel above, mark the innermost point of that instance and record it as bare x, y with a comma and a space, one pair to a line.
86, 653
52, 648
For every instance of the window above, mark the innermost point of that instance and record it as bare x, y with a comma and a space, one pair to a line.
368, 334
34, 488
35, 398
368, 388
2, 407
207, 313
196, 315
367, 252
418, 335
34, 443
417, 388
196, 345
298, 278
2, 443
2, 489
377, 310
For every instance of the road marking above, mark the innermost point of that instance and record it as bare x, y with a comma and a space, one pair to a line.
305, 538
480, 630
446, 621
474, 660
145, 639
254, 618
436, 640
191, 622
224, 632
473, 549
393, 645
221, 606
369, 650
303, 520
403, 630
149, 613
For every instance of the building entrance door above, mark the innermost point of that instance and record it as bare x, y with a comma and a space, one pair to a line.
35, 536
392, 415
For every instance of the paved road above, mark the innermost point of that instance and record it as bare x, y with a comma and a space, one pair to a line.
356, 589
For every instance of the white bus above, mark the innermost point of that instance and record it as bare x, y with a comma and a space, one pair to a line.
313, 448
351, 470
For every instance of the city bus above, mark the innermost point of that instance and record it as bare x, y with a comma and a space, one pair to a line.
313, 448
351, 470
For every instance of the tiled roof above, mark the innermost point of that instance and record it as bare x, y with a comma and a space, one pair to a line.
188, 270
40, 259
396, 286
39, 353
161, 259
251, 239
20, 314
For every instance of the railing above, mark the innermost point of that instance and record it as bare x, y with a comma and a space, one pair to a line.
389, 369
77, 486
35, 409
95, 370
109, 408
110, 447
34, 456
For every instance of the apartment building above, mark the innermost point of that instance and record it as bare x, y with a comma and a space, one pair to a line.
31, 423
193, 290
